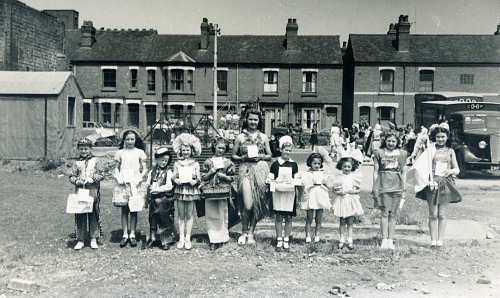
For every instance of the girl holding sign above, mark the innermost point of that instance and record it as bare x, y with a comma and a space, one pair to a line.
187, 179
251, 149
283, 171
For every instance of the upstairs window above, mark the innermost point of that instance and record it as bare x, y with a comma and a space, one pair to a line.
177, 80
151, 80
133, 78
426, 81
109, 78
466, 79
222, 81
271, 81
86, 112
189, 81
386, 80
309, 81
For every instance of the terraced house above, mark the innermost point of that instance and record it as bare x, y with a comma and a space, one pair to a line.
129, 76
383, 72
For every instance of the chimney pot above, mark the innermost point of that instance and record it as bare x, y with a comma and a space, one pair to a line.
204, 29
292, 29
498, 30
403, 34
87, 34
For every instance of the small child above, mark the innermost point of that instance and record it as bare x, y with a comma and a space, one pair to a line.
187, 181
130, 172
161, 201
316, 197
282, 173
347, 205
84, 174
218, 175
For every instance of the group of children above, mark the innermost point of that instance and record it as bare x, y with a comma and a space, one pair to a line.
313, 191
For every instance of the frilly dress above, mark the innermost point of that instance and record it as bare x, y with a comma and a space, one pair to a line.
315, 196
130, 171
348, 204
186, 191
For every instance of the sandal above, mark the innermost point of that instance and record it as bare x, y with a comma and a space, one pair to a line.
350, 246
124, 241
341, 245
286, 245
242, 240
279, 242
133, 242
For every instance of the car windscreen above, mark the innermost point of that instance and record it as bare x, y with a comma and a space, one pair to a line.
482, 121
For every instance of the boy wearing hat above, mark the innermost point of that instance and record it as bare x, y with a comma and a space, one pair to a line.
84, 174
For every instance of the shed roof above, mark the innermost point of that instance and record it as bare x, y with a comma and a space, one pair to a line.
459, 49
32, 83
148, 46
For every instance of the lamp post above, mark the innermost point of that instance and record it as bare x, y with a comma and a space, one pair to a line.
216, 31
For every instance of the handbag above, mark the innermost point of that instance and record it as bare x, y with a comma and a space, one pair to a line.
208, 191
121, 195
80, 202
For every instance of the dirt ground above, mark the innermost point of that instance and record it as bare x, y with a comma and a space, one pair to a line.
36, 247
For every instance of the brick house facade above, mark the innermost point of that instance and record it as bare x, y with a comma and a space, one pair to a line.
382, 73
129, 76
30, 40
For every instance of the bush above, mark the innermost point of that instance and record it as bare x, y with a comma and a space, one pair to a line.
50, 164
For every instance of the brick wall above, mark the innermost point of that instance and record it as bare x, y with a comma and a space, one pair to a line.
31, 39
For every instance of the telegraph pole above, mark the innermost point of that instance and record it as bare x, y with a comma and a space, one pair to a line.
216, 31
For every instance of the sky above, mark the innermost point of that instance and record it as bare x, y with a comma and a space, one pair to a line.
269, 17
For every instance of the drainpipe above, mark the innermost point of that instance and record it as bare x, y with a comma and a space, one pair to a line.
45, 137
237, 92
404, 93
289, 91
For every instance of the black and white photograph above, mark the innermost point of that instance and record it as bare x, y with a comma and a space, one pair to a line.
235, 148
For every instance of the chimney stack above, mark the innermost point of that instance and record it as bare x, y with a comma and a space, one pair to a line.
498, 30
403, 34
392, 31
87, 34
291, 34
204, 34
62, 63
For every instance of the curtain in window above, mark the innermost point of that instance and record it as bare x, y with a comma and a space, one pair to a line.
387, 80
151, 80
309, 81
270, 81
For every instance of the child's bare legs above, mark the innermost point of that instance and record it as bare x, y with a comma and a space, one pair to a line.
246, 217
384, 224
288, 226
342, 233
349, 223
125, 212
441, 224
133, 224
188, 216
182, 218
391, 224
317, 228
278, 225
309, 219
433, 221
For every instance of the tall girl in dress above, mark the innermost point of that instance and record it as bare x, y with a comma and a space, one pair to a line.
283, 172
316, 197
187, 184
218, 172
441, 190
389, 176
131, 171
347, 205
251, 149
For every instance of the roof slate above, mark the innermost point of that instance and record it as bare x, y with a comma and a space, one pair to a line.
150, 47
32, 83
457, 49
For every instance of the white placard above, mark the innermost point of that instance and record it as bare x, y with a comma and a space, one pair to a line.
185, 174
284, 174
252, 151
218, 162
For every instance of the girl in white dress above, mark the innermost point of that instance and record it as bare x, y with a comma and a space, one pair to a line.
131, 171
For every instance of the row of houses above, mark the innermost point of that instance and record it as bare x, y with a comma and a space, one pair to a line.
130, 77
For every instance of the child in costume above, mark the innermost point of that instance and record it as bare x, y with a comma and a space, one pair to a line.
218, 172
282, 174
84, 174
316, 197
347, 205
161, 200
187, 184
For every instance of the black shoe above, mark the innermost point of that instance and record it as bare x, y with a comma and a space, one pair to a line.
150, 243
219, 245
350, 246
124, 241
165, 246
212, 246
133, 242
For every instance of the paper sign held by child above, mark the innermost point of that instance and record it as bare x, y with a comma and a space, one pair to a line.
252, 151
186, 174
